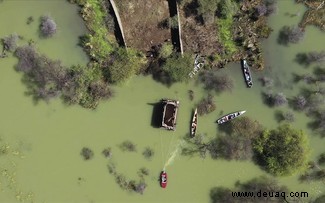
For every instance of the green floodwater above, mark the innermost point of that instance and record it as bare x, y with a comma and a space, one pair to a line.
44, 140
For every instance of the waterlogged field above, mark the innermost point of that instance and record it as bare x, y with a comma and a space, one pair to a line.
41, 142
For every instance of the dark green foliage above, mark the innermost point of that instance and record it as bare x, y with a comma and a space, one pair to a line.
228, 8
48, 26
124, 64
128, 146
264, 184
207, 9
321, 159
10, 42
218, 83
225, 35
282, 151
320, 199
290, 35
85, 87
178, 68
206, 106
87, 153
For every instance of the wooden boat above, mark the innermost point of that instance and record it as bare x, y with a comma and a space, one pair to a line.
194, 123
247, 73
169, 114
163, 179
229, 117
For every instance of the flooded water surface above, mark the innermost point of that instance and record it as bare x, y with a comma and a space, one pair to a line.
41, 142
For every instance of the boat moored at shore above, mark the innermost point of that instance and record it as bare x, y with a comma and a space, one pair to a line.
247, 73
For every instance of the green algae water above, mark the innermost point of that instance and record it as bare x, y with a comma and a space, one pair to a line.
40, 143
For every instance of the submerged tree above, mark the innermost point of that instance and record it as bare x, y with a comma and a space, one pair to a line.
128, 146
107, 152
86, 153
148, 153
263, 183
10, 42
300, 102
310, 57
48, 26
290, 35
218, 83
279, 99
282, 151
206, 105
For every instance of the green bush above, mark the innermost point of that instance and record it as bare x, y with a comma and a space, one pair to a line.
166, 50
178, 67
126, 64
225, 35
282, 151
207, 10
228, 8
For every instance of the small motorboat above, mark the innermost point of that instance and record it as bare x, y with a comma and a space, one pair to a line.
229, 117
194, 123
247, 73
163, 179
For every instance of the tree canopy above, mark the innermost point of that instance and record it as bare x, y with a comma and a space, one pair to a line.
178, 67
282, 151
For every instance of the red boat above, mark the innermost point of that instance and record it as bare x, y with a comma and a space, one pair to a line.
163, 179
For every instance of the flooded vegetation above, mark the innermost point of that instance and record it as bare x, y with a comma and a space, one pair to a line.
58, 53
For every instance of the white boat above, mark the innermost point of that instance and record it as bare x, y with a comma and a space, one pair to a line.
229, 117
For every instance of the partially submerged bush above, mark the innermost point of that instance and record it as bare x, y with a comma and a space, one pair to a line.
266, 81
279, 99
148, 153
107, 152
218, 83
290, 35
87, 153
288, 116
321, 159
310, 57
143, 172
128, 146
10, 42
206, 106
47, 78
48, 26
300, 102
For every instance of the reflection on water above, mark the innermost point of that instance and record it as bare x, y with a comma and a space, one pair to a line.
53, 170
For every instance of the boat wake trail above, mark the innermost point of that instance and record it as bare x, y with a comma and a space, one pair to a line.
174, 154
